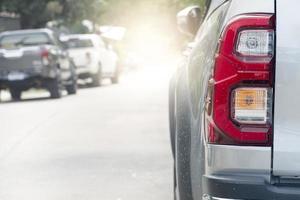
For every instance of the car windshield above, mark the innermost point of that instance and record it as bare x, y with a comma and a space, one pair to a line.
19, 40
79, 43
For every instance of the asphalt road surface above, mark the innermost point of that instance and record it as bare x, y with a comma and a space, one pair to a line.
108, 143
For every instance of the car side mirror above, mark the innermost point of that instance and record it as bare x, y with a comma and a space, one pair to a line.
189, 19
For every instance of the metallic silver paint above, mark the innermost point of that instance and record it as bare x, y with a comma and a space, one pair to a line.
237, 159
238, 7
287, 98
214, 4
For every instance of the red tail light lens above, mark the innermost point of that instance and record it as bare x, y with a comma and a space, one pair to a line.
45, 56
243, 81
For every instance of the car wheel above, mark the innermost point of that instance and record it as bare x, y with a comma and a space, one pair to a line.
182, 142
175, 188
55, 89
97, 78
72, 88
15, 94
172, 125
172, 114
115, 78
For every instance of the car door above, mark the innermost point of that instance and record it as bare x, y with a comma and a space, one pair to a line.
286, 150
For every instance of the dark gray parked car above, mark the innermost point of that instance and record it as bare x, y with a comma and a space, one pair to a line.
35, 59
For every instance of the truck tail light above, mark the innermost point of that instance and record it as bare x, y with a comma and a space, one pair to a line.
45, 57
242, 83
255, 45
251, 105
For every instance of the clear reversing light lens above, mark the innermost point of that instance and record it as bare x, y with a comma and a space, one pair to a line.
255, 45
252, 105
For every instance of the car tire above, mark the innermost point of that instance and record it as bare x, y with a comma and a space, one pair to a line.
172, 115
97, 78
16, 94
172, 125
54, 88
115, 79
72, 88
182, 143
175, 188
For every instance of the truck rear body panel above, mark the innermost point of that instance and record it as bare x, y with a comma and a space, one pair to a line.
286, 151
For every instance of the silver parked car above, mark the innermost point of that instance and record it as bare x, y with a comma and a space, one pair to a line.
234, 105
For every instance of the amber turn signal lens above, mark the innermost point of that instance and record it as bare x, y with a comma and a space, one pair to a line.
249, 99
251, 105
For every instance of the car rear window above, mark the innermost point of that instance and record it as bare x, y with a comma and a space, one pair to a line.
79, 43
20, 40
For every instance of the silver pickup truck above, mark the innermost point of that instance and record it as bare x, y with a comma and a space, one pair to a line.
35, 59
234, 102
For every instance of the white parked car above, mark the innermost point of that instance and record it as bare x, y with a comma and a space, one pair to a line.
92, 57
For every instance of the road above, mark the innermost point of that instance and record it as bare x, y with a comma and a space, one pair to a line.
108, 143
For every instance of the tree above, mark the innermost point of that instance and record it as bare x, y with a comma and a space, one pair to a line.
183, 3
31, 12
78, 10
35, 13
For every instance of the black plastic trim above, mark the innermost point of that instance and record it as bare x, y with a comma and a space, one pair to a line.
248, 188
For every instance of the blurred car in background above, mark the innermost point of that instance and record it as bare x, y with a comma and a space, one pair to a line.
93, 58
35, 59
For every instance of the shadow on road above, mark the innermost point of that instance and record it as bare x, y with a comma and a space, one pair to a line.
35, 96
28, 100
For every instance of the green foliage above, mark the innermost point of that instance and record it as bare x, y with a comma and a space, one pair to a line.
31, 12
35, 13
77, 10
183, 3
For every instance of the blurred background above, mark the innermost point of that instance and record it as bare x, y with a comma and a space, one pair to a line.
149, 27
109, 142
